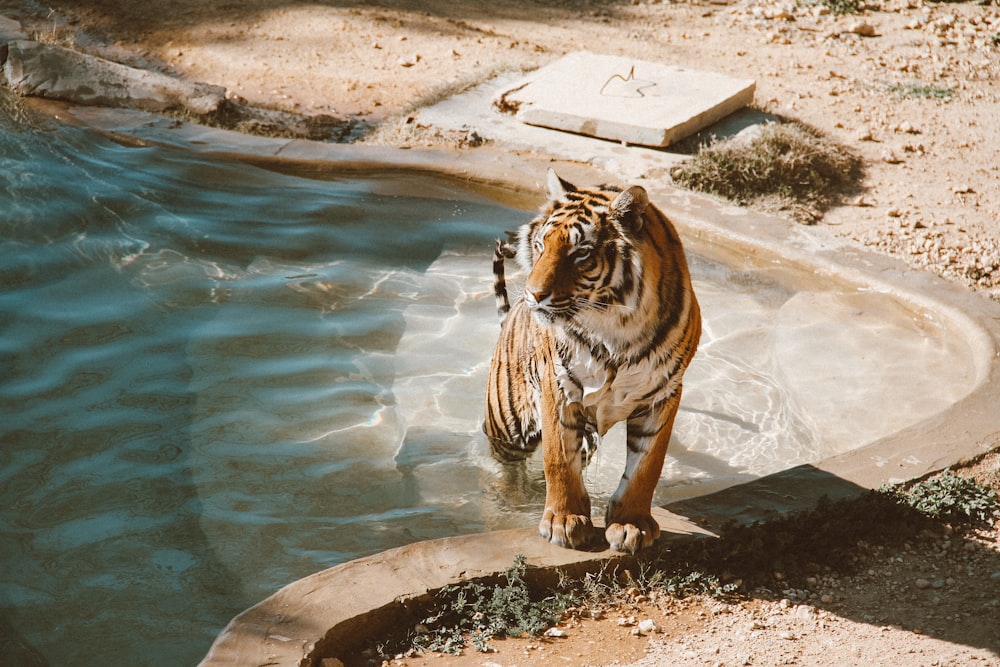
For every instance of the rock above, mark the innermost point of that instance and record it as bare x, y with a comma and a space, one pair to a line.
647, 626
40, 70
555, 632
889, 157
923, 583
862, 29
805, 613
10, 31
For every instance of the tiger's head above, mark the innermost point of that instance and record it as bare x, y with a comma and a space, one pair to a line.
579, 252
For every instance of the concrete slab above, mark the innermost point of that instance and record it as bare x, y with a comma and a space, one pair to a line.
623, 99
473, 110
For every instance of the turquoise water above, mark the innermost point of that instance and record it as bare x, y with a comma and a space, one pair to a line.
218, 378
181, 341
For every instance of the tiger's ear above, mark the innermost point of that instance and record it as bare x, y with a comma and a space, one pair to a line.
630, 205
558, 188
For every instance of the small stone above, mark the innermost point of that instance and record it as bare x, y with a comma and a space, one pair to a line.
790, 636
889, 157
923, 583
862, 29
804, 613
826, 598
555, 632
648, 626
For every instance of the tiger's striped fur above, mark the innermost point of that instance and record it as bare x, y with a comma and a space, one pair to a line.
606, 326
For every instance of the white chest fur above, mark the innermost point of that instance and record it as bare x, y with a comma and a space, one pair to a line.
609, 396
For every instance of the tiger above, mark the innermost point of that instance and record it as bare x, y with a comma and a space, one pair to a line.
605, 327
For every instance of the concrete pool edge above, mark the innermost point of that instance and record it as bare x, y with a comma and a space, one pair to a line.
319, 610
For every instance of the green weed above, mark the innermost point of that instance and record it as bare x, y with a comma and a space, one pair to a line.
477, 613
954, 499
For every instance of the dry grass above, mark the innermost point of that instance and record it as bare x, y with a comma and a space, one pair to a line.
779, 167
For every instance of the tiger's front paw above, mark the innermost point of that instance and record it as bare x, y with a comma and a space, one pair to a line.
573, 531
632, 534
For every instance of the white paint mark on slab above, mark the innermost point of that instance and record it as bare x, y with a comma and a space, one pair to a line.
624, 99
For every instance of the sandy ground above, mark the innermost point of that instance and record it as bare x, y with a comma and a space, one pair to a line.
913, 87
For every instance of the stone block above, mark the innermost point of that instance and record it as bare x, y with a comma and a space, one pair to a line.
624, 99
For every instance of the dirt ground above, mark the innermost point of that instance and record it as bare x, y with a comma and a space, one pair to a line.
913, 87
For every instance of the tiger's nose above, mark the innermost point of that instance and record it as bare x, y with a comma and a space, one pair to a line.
538, 296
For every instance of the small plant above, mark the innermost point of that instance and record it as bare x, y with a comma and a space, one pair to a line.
696, 583
477, 613
922, 90
955, 499
843, 6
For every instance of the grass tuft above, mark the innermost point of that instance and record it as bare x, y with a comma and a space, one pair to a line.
920, 90
781, 167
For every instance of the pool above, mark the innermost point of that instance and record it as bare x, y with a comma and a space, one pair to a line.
220, 377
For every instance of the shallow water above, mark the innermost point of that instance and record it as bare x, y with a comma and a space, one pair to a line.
220, 378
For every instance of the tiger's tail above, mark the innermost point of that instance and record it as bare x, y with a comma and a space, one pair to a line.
503, 251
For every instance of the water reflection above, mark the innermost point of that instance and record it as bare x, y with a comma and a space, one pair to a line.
218, 379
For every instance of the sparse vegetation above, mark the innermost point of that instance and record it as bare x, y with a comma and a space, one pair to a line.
921, 90
785, 167
476, 613
843, 6
954, 499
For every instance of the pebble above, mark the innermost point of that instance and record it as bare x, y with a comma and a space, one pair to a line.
648, 626
889, 157
923, 583
862, 28
555, 632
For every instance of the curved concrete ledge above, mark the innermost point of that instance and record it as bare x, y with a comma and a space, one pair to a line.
320, 614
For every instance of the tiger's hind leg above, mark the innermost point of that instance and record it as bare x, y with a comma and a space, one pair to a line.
630, 523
